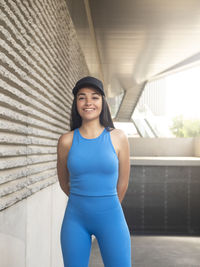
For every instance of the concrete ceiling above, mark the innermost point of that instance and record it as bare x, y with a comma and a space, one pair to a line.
126, 43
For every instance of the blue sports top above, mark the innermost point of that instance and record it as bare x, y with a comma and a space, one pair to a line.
92, 165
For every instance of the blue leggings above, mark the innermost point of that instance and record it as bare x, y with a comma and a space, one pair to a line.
101, 216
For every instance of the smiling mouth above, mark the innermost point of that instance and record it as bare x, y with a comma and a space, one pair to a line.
88, 109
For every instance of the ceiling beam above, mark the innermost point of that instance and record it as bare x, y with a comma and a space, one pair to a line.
94, 39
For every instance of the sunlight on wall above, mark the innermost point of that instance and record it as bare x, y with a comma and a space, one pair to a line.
183, 93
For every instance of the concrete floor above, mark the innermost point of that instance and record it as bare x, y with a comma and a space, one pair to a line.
157, 251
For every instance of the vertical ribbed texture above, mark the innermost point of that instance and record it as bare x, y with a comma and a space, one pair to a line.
40, 61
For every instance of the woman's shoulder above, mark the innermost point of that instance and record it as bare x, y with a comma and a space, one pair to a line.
119, 137
117, 132
65, 140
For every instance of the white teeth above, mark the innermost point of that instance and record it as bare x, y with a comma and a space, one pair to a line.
88, 109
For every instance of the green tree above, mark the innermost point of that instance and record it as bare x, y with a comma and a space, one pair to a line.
185, 127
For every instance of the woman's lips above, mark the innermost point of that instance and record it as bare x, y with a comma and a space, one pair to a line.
88, 109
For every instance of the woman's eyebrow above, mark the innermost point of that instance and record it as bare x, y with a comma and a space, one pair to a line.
85, 94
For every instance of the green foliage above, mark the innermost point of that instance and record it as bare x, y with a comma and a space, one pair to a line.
185, 127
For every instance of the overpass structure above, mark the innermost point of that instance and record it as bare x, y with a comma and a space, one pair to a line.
129, 43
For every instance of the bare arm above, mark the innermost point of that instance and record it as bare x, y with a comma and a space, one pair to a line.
62, 171
124, 166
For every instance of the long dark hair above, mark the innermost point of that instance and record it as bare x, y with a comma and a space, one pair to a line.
105, 116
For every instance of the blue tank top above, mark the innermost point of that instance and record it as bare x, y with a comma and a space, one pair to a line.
93, 165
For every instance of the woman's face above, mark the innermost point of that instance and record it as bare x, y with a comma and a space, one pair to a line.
89, 103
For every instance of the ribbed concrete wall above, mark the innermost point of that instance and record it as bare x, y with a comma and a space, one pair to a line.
40, 61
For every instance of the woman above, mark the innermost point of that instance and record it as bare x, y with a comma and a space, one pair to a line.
93, 170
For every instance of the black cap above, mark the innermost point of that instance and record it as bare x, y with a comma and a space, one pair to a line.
89, 81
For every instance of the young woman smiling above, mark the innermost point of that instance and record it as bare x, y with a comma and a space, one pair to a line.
93, 170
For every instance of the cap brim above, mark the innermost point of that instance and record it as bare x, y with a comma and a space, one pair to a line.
76, 88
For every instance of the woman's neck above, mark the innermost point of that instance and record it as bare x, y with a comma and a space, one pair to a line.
91, 128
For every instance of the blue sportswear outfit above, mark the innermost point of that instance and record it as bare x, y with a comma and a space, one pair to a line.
93, 207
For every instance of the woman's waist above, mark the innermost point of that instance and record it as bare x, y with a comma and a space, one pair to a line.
87, 204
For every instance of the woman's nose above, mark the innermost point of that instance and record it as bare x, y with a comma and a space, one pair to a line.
88, 102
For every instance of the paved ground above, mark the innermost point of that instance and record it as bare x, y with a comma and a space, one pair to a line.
158, 251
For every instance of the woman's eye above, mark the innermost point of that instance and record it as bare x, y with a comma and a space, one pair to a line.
80, 98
